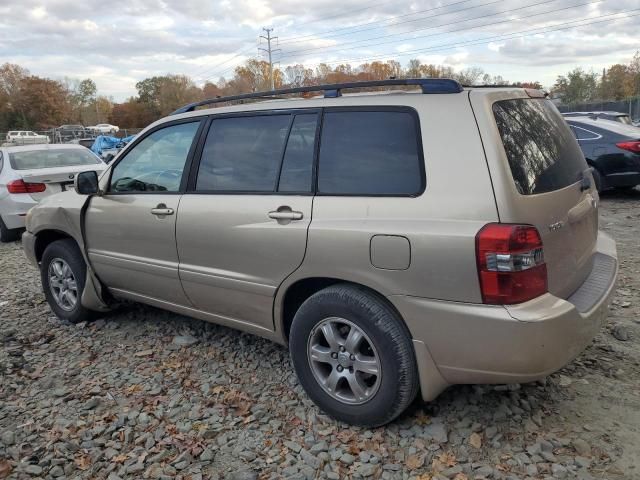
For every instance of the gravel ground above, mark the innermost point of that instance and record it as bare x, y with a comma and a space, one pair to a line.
148, 394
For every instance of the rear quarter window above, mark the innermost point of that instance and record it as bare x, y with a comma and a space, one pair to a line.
542, 152
370, 152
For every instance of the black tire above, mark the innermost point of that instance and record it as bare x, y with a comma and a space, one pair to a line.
597, 178
8, 235
68, 251
399, 373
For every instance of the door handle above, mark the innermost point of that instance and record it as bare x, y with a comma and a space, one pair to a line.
285, 215
162, 210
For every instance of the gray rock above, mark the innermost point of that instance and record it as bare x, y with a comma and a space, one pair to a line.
621, 333
582, 462
558, 471
113, 476
347, 459
452, 472
8, 438
436, 432
293, 446
367, 469
56, 471
184, 340
581, 447
309, 458
34, 470
206, 455
243, 475
484, 471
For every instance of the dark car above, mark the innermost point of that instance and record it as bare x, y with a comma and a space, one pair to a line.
611, 148
619, 117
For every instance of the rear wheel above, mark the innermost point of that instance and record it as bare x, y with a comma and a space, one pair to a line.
63, 272
8, 235
354, 355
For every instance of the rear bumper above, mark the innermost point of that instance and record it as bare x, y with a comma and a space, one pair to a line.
14, 220
471, 343
14, 209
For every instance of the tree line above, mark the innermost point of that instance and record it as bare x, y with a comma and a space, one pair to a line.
31, 102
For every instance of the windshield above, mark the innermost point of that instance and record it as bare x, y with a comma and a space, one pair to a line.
34, 159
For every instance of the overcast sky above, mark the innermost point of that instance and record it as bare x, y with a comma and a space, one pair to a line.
119, 42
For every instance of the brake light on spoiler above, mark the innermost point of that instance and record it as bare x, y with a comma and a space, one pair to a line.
511, 265
20, 186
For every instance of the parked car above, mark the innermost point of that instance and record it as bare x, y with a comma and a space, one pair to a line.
612, 149
397, 242
25, 137
611, 116
30, 173
67, 133
102, 128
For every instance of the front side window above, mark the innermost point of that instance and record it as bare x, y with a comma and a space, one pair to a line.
156, 164
243, 154
542, 152
370, 153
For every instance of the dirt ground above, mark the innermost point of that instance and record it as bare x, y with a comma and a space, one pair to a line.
143, 393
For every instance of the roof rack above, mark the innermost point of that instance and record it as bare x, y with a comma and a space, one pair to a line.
428, 85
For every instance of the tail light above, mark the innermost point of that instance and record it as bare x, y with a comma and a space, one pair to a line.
510, 263
20, 186
630, 146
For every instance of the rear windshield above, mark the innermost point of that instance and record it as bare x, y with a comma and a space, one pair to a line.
543, 154
33, 159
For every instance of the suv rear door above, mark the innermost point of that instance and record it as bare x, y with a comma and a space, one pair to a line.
537, 170
242, 225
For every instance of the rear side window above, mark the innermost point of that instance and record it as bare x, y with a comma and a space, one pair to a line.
370, 153
52, 158
542, 152
243, 154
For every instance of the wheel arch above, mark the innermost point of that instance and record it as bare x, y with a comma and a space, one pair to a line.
45, 238
293, 295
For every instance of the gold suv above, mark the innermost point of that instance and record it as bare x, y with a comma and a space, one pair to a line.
397, 241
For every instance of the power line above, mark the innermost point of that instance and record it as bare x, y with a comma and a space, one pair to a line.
325, 33
349, 12
520, 34
207, 71
297, 52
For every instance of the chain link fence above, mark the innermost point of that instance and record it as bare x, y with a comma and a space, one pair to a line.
82, 136
629, 105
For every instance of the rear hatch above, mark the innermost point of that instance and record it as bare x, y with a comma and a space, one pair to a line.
541, 178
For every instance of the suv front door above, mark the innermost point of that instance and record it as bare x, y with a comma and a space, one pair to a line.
243, 223
130, 229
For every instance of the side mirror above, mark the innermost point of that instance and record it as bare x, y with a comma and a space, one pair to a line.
86, 183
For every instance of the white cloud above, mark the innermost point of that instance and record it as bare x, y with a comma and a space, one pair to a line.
120, 42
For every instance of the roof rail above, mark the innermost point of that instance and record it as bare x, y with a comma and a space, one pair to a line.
428, 85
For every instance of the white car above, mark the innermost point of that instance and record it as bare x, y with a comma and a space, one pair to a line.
104, 128
30, 173
26, 137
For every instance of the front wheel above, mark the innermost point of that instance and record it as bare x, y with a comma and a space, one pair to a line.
354, 355
63, 272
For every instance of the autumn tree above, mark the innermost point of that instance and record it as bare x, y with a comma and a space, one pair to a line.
577, 86
42, 103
